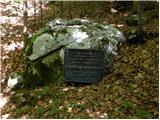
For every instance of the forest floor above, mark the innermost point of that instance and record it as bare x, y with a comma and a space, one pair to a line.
131, 90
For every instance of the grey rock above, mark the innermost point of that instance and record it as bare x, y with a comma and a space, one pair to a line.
45, 50
77, 33
14, 79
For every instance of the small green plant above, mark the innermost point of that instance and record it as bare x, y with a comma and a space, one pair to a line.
58, 97
23, 110
58, 100
46, 91
131, 88
74, 104
82, 107
126, 104
65, 113
53, 111
144, 114
33, 101
40, 111
59, 93
94, 103
18, 1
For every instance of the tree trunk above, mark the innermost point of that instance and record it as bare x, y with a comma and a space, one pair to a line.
61, 7
25, 16
70, 9
34, 5
140, 21
41, 12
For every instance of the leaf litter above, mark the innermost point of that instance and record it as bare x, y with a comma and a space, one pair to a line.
131, 90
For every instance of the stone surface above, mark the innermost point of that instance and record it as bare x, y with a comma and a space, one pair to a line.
13, 80
45, 50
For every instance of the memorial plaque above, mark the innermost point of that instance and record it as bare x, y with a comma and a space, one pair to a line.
83, 65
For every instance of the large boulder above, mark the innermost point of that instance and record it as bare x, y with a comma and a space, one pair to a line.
45, 49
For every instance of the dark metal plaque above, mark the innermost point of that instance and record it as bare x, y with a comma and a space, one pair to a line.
83, 65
